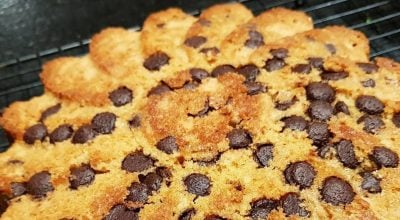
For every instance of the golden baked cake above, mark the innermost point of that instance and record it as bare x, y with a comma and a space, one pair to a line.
222, 116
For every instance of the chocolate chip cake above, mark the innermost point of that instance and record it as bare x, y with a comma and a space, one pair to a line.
222, 116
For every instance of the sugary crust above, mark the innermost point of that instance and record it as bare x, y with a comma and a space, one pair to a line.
273, 25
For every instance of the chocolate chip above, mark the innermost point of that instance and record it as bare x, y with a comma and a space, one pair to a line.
368, 83
318, 132
222, 69
138, 192
18, 189
137, 162
294, 122
39, 184
121, 212
3, 203
207, 108
372, 123
168, 145
323, 150
282, 106
121, 96
254, 88
195, 41
337, 191
320, 110
255, 39
239, 138
274, 64
198, 184
152, 181
104, 123
316, 62
302, 68
334, 76
384, 157
300, 173
368, 67
396, 119
155, 61
164, 172
84, 134
369, 104
61, 133
263, 154
208, 161
320, 91
262, 207
198, 74
159, 90
50, 111
249, 71
280, 53
135, 122
345, 153
331, 48
340, 106
210, 50
191, 85
214, 217
81, 176
37, 132
371, 183
290, 203
187, 214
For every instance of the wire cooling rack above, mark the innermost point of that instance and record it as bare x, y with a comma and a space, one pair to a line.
378, 19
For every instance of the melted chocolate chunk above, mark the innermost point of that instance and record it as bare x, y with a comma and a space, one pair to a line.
280, 53
104, 123
210, 50
159, 90
135, 122
152, 180
187, 214
331, 48
371, 183
274, 64
155, 61
368, 67
302, 68
396, 119
198, 184
50, 111
291, 205
300, 173
369, 104
334, 76
84, 134
121, 212
384, 157
372, 123
337, 191
18, 189
340, 106
37, 132
318, 132
316, 62
138, 192
121, 96
249, 71
264, 154
222, 69
320, 110
262, 207
294, 122
198, 74
239, 138
282, 106
195, 41
168, 145
61, 133
3, 203
39, 184
320, 91
345, 153
368, 83
255, 40
254, 88
81, 176
137, 162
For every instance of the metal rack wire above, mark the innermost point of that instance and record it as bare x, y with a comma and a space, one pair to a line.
378, 19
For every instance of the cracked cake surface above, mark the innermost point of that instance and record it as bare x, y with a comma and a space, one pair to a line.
223, 116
